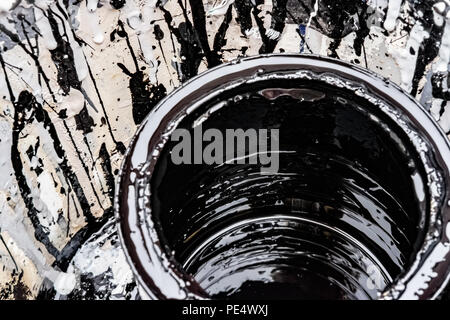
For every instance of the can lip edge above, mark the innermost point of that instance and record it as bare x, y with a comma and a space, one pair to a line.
123, 181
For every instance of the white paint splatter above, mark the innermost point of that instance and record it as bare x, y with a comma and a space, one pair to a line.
392, 14
78, 55
13, 211
220, 9
445, 119
313, 14
436, 108
253, 32
44, 25
65, 283
272, 34
93, 21
142, 22
407, 56
6, 5
438, 11
100, 257
73, 102
444, 50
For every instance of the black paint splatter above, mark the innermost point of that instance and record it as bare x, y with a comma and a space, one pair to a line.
84, 121
199, 22
62, 56
190, 50
144, 96
107, 169
220, 39
117, 4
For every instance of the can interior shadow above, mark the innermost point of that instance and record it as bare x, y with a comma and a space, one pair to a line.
346, 216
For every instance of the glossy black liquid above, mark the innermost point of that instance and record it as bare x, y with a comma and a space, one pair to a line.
341, 220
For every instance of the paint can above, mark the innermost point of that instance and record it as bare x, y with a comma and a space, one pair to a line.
356, 208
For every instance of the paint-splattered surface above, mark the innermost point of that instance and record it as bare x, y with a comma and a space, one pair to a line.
78, 76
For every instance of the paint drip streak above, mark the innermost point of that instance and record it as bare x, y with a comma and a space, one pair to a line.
119, 145
220, 37
12, 98
9, 252
93, 166
64, 165
268, 45
26, 102
84, 167
41, 72
62, 56
107, 168
190, 48
428, 51
199, 21
66, 255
